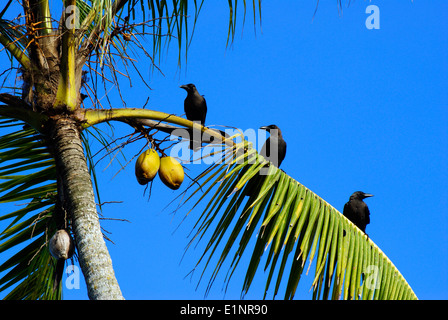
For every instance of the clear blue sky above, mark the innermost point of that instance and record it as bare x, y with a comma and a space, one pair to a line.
360, 109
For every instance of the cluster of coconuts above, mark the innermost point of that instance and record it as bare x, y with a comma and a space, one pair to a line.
149, 163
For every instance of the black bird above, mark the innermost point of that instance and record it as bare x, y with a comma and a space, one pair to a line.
357, 211
195, 108
277, 143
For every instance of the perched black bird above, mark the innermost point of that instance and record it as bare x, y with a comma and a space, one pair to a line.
357, 211
195, 108
277, 143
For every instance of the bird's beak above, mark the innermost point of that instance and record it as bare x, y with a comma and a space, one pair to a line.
264, 128
366, 195
183, 87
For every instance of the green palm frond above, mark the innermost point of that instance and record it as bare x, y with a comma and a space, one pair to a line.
14, 32
167, 20
164, 19
13, 36
293, 226
233, 6
27, 179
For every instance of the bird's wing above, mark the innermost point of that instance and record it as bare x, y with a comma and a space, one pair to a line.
281, 151
367, 214
204, 111
265, 149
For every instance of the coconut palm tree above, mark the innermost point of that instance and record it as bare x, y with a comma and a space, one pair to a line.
61, 60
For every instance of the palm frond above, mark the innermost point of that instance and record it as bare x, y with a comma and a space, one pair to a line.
28, 181
27, 178
13, 37
233, 8
293, 227
167, 20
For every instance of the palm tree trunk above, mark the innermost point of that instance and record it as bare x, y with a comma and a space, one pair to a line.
79, 202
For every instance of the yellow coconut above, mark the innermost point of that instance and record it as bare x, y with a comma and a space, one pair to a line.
146, 166
171, 172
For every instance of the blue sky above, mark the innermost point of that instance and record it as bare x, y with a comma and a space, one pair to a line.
360, 109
